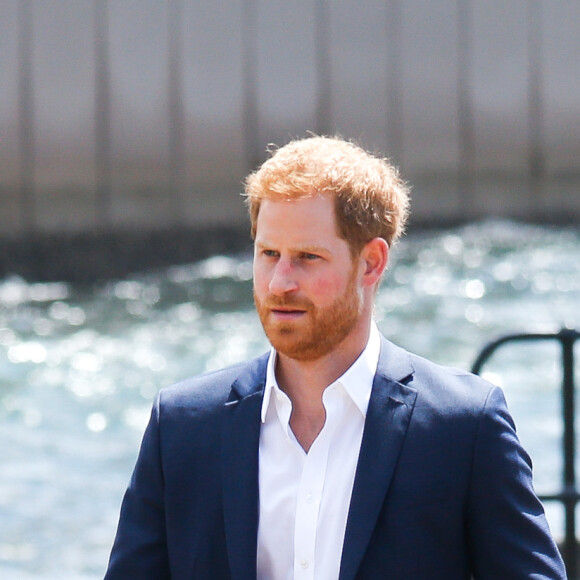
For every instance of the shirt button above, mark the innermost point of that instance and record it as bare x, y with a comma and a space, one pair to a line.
309, 498
304, 564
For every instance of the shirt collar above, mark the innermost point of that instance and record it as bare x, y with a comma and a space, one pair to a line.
357, 380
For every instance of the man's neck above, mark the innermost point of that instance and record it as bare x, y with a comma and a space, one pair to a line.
305, 381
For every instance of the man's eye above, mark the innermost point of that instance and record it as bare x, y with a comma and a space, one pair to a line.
270, 253
308, 256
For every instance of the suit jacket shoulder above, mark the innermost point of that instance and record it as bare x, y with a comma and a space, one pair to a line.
435, 384
197, 465
213, 389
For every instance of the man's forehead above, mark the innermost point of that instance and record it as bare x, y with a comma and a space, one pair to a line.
305, 224
312, 211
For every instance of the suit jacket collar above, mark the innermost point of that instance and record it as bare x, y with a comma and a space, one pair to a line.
240, 443
388, 418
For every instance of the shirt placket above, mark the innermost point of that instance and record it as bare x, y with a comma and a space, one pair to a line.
310, 496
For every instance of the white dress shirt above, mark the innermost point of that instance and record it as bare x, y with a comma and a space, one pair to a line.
305, 497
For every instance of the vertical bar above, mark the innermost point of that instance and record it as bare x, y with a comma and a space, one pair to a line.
536, 153
466, 130
395, 134
323, 117
102, 115
28, 218
570, 545
177, 141
250, 84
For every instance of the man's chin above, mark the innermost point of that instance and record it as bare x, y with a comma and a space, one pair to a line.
285, 341
284, 328
282, 336
300, 354
298, 350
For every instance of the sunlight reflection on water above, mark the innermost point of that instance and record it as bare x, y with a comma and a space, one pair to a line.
79, 368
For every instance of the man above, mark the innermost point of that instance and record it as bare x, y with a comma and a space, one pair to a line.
337, 455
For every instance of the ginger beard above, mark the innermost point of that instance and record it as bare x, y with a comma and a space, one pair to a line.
318, 331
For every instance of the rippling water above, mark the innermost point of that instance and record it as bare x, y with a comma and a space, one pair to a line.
79, 368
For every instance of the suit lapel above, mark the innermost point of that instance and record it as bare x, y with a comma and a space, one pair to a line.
241, 435
387, 420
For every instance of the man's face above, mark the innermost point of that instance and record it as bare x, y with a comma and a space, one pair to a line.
306, 285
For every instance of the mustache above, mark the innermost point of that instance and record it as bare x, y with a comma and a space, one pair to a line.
273, 302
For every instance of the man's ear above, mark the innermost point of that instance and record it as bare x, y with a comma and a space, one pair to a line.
374, 256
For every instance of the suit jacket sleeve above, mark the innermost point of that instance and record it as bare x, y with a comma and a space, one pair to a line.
508, 532
140, 549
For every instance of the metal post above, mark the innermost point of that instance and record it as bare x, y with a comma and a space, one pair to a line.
323, 69
395, 126
26, 116
466, 129
536, 155
250, 85
177, 141
102, 115
570, 543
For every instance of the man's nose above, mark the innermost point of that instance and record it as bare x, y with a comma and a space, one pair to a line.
283, 278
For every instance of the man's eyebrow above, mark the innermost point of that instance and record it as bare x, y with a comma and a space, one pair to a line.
300, 249
313, 250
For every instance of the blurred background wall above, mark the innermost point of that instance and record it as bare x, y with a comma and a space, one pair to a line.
145, 115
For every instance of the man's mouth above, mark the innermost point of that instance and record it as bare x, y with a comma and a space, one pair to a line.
287, 313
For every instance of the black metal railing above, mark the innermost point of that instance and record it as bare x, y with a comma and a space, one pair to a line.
568, 496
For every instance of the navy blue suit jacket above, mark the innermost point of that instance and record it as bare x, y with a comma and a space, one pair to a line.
443, 489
